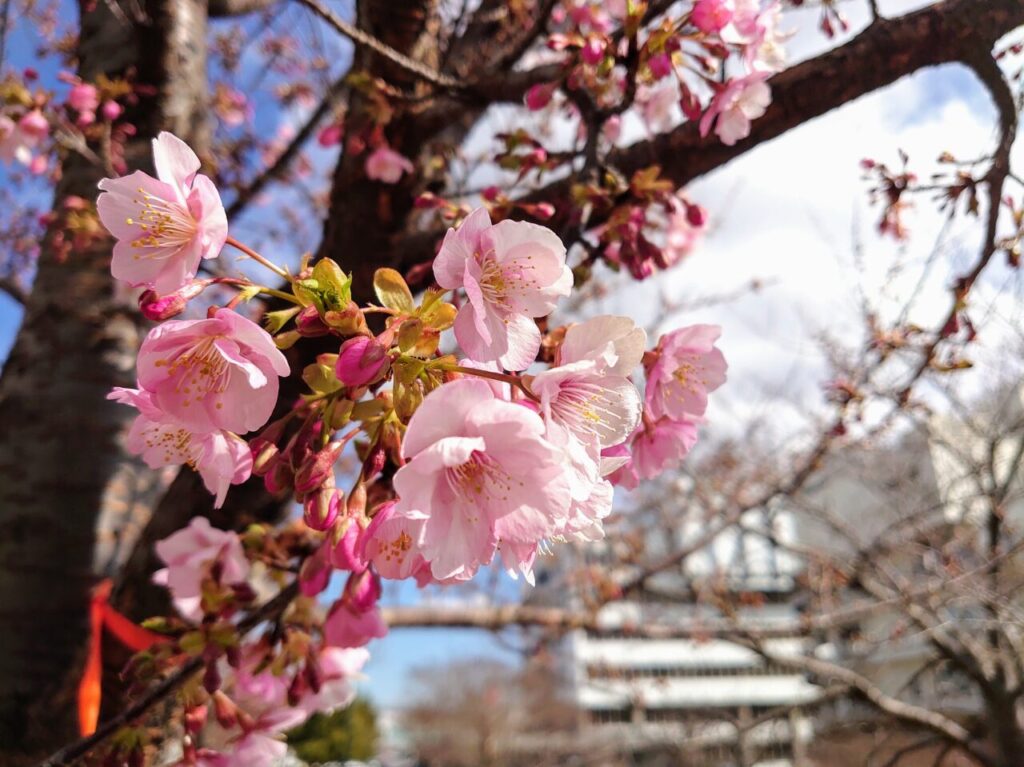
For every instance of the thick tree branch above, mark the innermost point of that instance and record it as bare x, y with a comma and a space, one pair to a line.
222, 8
13, 288
930, 720
887, 50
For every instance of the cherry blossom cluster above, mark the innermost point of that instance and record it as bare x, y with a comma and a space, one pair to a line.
412, 454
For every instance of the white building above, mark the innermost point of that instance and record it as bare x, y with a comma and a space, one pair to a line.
700, 700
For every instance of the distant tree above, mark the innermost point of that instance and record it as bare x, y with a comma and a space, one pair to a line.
349, 733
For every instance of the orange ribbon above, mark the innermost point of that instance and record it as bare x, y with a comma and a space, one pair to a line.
136, 638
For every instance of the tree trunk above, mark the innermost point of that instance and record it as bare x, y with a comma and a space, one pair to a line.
71, 500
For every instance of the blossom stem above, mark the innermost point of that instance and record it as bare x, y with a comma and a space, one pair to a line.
258, 258
508, 378
280, 294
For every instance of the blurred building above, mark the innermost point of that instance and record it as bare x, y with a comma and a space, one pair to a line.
699, 699
696, 699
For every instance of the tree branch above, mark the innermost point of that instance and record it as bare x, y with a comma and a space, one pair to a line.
362, 38
945, 727
884, 52
219, 9
277, 168
13, 288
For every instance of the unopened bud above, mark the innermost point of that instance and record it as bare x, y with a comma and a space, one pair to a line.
195, 719
362, 590
158, 308
224, 710
696, 216
356, 504
313, 673
317, 468
315, 573
320, 508
211, 677
263, 458
309, 324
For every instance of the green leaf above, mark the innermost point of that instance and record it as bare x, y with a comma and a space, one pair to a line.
333, 285
320, 376
275, 321
392, 291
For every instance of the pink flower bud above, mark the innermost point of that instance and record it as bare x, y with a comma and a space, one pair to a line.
660, 65
279, 478
224, 710
362, 590
309, 324
317, 469
84, 98
195, 719
111, 110
321, 508
315, 573
158, 308
593, 51
346, 552
264, 454
696, 215
330, 135
539, 96
362, 360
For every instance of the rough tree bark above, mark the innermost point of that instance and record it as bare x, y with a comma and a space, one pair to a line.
71, 500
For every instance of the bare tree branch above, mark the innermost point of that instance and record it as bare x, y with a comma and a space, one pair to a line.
222, 8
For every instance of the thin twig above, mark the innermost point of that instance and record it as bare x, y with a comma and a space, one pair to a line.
360, 37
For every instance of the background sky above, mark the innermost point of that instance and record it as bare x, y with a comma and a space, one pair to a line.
793, 214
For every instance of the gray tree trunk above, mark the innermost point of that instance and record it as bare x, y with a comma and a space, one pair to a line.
71, 500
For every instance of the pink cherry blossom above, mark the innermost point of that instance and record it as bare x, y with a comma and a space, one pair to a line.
589, 392
684, 367
84, 97
757, 30
348, 627
217, 373
655, 447
658, 106
731, 110
221, 458
682, 235
511, 271
392, 543
164, 226
189, 555
19, 139
474, 460
660, 65
710, 16
387, 166
340, 667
